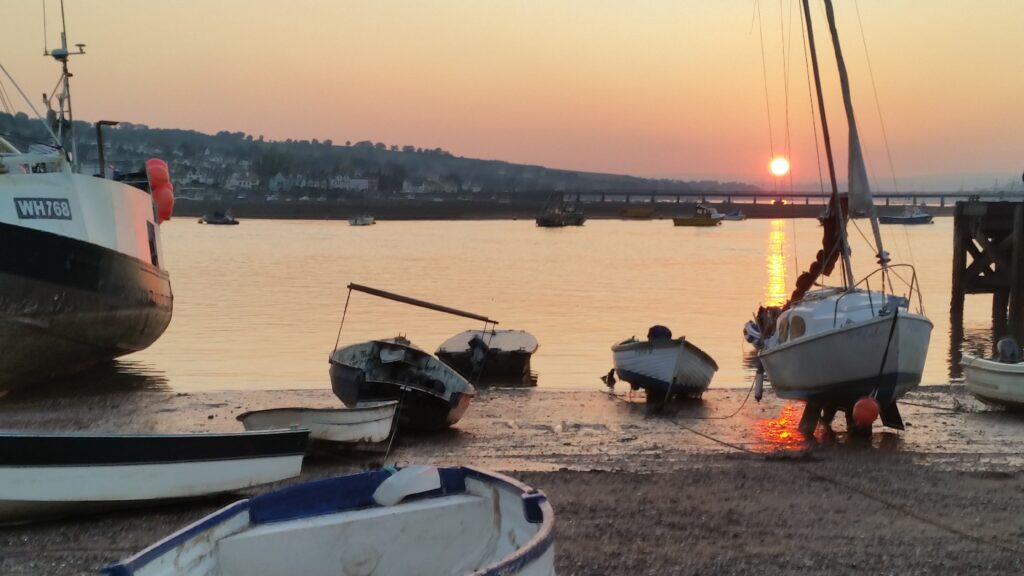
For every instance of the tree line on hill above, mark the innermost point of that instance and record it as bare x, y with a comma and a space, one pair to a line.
214, 158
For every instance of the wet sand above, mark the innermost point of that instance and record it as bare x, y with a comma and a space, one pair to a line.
685, 489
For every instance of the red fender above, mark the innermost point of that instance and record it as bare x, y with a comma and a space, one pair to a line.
160, 183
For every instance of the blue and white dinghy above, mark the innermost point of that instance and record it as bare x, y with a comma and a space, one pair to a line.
419, 520
49, 475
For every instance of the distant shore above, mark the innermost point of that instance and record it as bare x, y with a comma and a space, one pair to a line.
405, 209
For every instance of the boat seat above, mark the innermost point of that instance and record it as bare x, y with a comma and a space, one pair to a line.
447, 535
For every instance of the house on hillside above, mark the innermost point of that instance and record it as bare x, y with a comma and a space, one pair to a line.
279, 183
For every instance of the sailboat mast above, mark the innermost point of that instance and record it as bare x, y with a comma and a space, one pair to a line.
845, 248
860, 192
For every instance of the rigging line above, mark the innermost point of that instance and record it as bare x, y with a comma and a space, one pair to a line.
810, 98
46, 49
343, 314
29, 102
874, 88
786, 53
767, 99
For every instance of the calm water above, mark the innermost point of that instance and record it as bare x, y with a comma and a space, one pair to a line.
258, 305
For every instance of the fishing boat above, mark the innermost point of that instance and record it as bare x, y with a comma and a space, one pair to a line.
559, 213
82, 277
432, 395
998, 381
664, 366
416, 521
703, 215
734, 215
912, 215
361, 221
365, 423
220, 218
837, 348
52, 475
491, 356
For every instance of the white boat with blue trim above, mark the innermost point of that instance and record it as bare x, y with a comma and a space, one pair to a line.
51, 475
418, 521
998, 381
664, 366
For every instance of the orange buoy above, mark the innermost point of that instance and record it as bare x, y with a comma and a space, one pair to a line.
160, 183
865, 411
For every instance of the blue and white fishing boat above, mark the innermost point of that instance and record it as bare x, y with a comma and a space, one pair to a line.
664, 366
416, 521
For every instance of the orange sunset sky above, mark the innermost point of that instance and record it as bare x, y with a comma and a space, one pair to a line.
653, 88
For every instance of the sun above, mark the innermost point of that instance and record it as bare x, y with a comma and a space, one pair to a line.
779, 166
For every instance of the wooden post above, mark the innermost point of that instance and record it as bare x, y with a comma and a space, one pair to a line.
1016, 291
956, 305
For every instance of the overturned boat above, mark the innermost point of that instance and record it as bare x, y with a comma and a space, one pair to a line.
365, 423
431, 395
491, 356
416, 521
664, 366
52, 475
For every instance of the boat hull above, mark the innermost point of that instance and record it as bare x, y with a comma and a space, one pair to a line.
66, 304
696, 221
501, 368
995, 383
431, 395
477, 522
47, 475
920, 219
837, 367
367, 422
664, 367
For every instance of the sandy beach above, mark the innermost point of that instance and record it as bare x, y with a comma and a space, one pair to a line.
723, 486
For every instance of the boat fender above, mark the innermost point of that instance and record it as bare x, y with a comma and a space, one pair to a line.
160, 183
759, 384
411, 480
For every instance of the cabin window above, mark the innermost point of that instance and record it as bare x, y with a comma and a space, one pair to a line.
783, 328
797, 327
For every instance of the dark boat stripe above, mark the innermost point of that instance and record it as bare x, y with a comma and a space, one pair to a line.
113, 449
74, 263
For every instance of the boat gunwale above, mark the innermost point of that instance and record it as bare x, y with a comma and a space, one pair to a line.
841, 329
532, 549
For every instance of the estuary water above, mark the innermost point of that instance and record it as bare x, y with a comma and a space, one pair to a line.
259, 305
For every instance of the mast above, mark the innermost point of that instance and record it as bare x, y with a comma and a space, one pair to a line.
859, 190
64, 98
845, 247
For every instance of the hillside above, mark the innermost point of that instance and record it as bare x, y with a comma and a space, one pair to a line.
243, 163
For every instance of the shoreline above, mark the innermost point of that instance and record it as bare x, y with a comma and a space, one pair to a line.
636, 489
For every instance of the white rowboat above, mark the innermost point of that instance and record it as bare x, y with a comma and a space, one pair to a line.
995, 383
367, 422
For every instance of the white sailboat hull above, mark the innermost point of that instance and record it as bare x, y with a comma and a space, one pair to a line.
840, 365
664, 366
996, 383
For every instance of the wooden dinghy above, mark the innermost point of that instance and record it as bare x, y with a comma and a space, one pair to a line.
366, 422
49, 475
491, 356
664, 366
418, 521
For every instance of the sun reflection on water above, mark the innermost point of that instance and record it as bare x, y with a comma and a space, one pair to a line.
781, 433
776, 289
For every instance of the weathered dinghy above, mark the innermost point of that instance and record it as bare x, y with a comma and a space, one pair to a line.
1000, 381
432, 396
48, 475
367, 422
664, 366
418, 521
491, 356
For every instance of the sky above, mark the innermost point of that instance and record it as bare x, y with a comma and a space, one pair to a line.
657, 88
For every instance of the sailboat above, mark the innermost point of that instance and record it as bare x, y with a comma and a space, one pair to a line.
82, 277
858, 344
